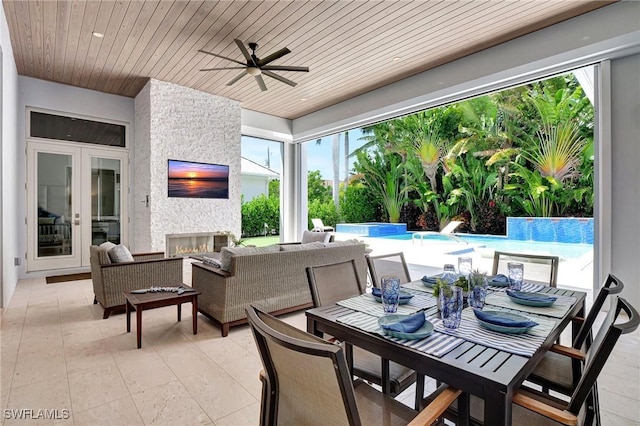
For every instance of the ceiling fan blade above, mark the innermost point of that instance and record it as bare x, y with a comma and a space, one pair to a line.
275, 55
236, 78
220, 56
277, 77
220, 69
260, 81
245, 52
285, 68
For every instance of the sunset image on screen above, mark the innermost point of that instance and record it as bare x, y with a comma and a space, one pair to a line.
198, 180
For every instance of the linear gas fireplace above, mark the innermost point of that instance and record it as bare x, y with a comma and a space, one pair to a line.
195, 243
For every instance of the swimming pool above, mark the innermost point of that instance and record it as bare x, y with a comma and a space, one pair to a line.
458, 241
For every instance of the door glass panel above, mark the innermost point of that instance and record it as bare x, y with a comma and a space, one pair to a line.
105, 200
54, 204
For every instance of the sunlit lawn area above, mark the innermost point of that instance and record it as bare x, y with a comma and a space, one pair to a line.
262, 241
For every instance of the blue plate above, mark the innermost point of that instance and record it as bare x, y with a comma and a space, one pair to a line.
404, 298
503, 328
537, 303
421, 333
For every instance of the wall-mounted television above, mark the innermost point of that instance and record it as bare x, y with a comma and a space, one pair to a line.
188, 179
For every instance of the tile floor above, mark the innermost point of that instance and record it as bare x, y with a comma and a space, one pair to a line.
58, 353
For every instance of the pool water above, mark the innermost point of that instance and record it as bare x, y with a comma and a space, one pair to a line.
564, 250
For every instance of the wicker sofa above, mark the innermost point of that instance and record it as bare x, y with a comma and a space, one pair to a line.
275, 282
110, 280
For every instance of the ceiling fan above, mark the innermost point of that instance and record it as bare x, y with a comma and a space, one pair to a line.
256, 66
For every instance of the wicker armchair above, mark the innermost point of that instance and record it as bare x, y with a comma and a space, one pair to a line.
110, 280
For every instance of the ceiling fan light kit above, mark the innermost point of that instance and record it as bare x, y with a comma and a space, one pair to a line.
257, 67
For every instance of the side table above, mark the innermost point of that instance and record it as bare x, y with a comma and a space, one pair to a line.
141, 302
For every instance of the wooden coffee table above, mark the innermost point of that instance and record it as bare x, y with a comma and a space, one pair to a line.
145, 301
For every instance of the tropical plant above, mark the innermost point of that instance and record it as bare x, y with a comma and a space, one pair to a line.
383, 175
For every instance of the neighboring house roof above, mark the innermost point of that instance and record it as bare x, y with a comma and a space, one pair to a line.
248, 167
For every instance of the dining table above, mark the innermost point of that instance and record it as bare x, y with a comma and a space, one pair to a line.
481, 362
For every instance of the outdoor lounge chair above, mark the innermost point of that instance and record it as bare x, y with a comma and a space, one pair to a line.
318, 226
306, 381
451, 226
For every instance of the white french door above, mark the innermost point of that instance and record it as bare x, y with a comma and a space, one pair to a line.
76, 196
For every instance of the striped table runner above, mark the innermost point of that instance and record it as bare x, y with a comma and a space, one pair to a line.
418, 286
436, 344
520, 344
367, 304
557, 310
534, 288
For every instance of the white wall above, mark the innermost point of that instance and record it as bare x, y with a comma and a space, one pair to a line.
254, 186
625, 174
188, 125
12, 184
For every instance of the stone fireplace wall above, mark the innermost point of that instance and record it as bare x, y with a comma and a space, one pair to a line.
179, 123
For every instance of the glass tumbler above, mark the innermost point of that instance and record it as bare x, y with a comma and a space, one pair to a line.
449, 273
390, 289
516, 275
451, 306
465, 265
477, 290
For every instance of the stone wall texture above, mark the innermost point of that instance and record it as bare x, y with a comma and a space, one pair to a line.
179, 123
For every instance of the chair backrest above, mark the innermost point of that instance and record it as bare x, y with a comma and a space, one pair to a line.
612, 285
334, 282
388, 264
310, 237
451, 226
601, 349
317, 223
535, 265
308, 379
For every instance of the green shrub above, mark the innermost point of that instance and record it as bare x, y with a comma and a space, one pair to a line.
325, 211
257, 212
357, 205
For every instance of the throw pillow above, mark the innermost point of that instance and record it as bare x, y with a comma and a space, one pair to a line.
119, 254
309, 237
107, 245
227, 252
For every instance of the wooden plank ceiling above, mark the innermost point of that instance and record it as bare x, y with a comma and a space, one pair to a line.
351, 47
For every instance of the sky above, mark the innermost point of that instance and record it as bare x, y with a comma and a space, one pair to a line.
184, 169
318, 155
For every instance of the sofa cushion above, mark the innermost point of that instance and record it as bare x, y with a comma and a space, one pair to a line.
342, 243
119, 254
298, 247
227, 252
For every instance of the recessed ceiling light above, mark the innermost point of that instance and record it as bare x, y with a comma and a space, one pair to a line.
397, 58
303, 99
97, 34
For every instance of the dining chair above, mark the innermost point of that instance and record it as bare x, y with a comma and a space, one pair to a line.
532, 407
337, 281
535, 264
560, 369
388, 264
306, 381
